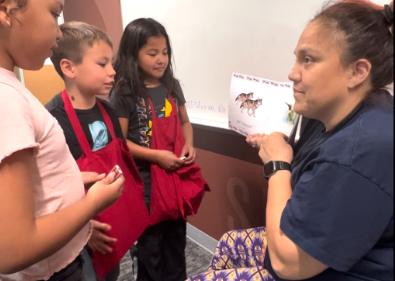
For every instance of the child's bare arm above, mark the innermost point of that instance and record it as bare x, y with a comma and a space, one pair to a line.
24, 239
187, 131
186, 126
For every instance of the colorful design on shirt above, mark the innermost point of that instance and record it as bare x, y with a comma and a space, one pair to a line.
167, 108
99, 134
150, 126
145, 118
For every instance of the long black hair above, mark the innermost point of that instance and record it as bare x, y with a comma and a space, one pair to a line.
128, 76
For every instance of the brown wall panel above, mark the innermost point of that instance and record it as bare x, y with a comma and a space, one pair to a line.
237, 198
105, 14
44, 84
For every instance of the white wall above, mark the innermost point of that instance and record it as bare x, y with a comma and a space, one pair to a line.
213, 38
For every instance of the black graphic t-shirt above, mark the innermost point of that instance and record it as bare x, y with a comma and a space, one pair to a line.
140, 121
92, 123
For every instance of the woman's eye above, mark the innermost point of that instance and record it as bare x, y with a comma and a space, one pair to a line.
308, 60
55, 15
102, 64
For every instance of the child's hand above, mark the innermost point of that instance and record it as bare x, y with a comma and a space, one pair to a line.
168, 160
191, 151
99, 240
105, 192
89, 178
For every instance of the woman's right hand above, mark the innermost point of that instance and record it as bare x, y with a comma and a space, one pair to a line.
168, 160
105, 192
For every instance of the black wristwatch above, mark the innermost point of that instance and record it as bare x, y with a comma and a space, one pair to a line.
273, 166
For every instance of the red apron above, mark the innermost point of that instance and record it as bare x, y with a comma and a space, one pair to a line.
128, 216
176, 194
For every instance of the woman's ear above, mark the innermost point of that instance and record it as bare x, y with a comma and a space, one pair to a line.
359, 73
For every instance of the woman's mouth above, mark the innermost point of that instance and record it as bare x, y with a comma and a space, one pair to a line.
298, 92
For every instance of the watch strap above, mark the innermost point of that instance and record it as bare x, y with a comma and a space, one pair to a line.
272, 167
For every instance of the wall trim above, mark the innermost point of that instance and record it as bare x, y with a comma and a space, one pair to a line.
224, 142
202, 239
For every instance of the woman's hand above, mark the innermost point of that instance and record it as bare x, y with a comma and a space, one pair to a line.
272, 147
191, 151
252, 139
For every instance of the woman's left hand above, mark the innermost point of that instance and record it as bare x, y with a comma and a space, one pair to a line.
273, 147
191, 151
252, 139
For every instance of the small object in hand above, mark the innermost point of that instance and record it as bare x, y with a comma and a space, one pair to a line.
185, 156
117, 171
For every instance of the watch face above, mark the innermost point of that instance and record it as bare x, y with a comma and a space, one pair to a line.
268, 168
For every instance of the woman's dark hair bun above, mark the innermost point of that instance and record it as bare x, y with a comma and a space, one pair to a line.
388, 15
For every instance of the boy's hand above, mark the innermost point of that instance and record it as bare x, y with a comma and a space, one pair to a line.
168, 160
105, 192
99, 240
191, 151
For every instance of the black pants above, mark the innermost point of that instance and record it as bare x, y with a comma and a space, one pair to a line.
161, 252
72, 272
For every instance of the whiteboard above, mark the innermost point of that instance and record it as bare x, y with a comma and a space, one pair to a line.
213, 38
